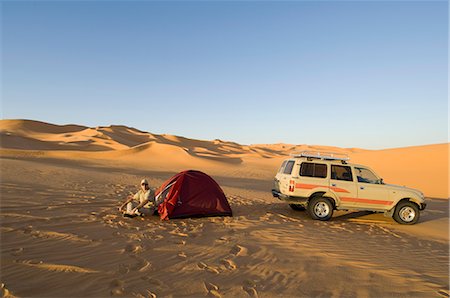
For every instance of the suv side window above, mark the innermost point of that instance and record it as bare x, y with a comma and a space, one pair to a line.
366, 176
341, 173
288, 167
282, 166
316, 170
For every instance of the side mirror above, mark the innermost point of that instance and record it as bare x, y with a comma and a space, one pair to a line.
381, 181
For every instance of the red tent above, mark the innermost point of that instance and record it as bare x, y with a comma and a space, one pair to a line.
191, 193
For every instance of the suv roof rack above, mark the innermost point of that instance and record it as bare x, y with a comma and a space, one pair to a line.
322, 155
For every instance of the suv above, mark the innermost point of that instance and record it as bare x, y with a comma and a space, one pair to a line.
323, 181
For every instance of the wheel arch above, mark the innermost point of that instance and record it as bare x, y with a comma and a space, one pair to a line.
326, 194
408, 199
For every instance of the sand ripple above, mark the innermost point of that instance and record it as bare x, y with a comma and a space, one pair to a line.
58, 267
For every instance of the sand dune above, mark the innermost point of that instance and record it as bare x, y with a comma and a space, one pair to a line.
62, 235
422, 167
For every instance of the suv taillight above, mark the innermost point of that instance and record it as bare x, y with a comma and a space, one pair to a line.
291, 185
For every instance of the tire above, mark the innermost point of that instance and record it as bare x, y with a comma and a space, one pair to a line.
320, 208
406, 213
297, 207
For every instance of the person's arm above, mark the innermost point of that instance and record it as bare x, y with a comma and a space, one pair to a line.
142, 204
145, 202
129, 199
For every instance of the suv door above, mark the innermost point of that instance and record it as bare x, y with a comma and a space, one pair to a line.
343, 184
371, 193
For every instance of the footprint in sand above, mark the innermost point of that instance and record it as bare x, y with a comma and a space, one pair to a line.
443, 293
133, 248
5, 292
117, 292
180, 242
210, 286
250, 288
182, 255
214, 293
154, 283
239, 250
134, 237
203, 266
117, 288
229, 264
17, 251
176, 233
223, 239
213, 290
141, 265
123, 269
156, 237
28, 229
115, 283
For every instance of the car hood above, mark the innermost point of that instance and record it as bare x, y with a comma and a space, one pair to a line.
404, 188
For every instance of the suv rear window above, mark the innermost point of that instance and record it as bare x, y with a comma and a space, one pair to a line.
288, 167
317, 170
341, 173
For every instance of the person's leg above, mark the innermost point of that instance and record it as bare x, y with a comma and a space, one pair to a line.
129, 207
129, 210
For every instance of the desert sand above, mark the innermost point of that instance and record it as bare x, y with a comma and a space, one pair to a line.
61, 234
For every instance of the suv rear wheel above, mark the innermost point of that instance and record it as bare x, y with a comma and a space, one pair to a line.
406, 213
297, 207
320, 208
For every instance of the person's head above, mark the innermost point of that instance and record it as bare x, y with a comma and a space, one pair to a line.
144, 184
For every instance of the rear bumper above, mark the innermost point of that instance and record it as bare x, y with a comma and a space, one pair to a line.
277, 194
289, 199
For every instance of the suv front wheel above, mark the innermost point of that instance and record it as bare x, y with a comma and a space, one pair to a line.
406, 213
320, 208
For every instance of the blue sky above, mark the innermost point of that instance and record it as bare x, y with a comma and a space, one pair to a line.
350, 74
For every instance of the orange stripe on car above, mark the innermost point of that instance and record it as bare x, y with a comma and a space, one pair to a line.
306, 186
311, 186
337, 189
366, 201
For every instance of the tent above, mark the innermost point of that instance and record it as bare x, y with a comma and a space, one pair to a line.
191, 194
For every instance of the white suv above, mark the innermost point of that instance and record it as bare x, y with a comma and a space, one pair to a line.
322, 182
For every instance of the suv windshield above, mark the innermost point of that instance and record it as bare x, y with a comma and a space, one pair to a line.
366, 176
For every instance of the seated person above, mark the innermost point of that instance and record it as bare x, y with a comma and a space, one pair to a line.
135, 204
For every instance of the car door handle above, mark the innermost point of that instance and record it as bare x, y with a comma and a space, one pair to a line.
333, 184
361, 187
